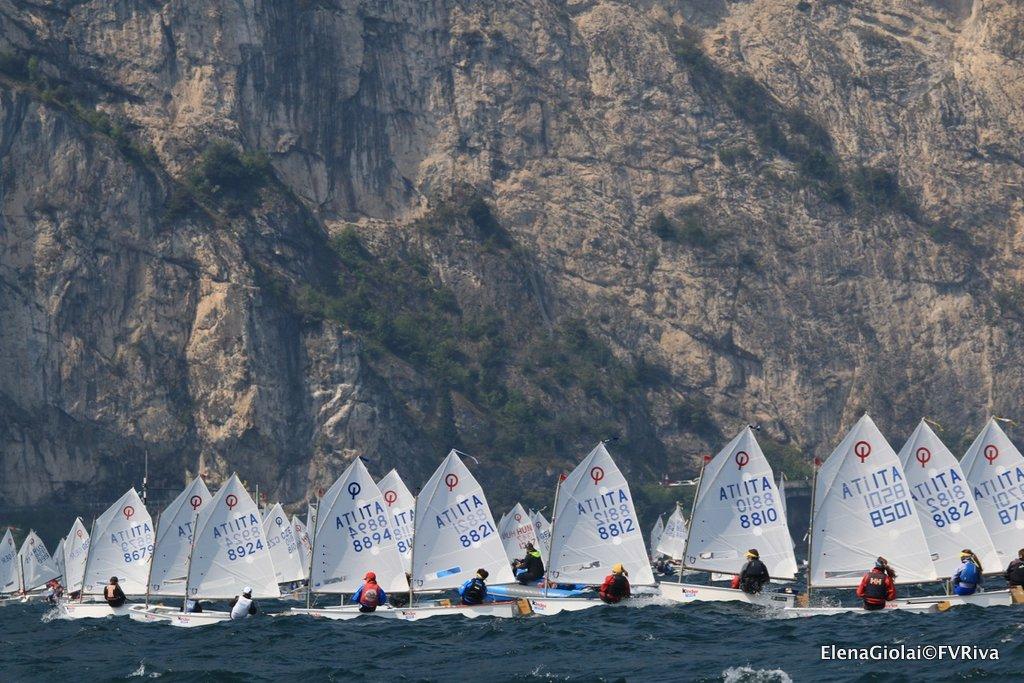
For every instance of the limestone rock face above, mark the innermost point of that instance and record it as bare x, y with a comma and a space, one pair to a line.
837, 185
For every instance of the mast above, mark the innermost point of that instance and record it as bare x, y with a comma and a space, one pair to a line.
149, 574
188, 565
21, 573
412, 552
693, 508
810, 531
551, 543
314, 517
88, 556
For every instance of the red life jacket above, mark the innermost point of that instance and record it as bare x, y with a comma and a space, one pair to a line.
371, 594
876, 589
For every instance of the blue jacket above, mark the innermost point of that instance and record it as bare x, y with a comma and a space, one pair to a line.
382, 597
967, 576
462, 589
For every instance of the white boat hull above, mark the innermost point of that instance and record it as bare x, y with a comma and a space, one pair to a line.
161, 614
692, 592
91, 610
985, 599
856, 609
502, 610
339, 613
554, 605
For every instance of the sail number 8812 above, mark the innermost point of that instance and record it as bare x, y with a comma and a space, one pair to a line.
615, 521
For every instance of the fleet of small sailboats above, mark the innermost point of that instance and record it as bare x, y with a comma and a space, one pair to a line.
918, 508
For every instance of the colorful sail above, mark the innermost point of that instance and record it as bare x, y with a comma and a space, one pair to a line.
121, 545
76, 552
995, 471
455, 532
284, 546
595, 525
516, 530
174, 539
231, 550
863, 510
35, 564
945, 505
10, 581
672, 542
354, 537
401, 507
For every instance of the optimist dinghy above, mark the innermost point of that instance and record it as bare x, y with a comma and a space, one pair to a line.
737, 506
454, 536
862, 509
401, 508
10, 577
121, 545
352, 536
229, 551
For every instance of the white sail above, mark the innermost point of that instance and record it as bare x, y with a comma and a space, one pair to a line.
76, 552
863, 510
58, 557
673, 538
946, 507
10, 581
738, 508
35, 563
121, 545
354, 537
516, 531
595, 525
284, 546
995, 471
542, 527
656, 531
230, 548
455, 532
402, 507
305, 545
174, 539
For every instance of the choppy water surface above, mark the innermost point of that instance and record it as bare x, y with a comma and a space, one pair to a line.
658, 641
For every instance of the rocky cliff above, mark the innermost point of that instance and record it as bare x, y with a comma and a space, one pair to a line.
273, 236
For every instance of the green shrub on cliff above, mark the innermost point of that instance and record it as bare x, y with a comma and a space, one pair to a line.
229, 177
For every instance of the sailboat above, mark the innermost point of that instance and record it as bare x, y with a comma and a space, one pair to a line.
121, 545
736, 507
656, 532
948, 513
284, 546
10, 578
35, 564
516, 530
862, 509
76, 550
228, 552
353, 536
995, 471
542, 527
58, 557
169, 568
401, 506
594, 526
454, 536
305, 545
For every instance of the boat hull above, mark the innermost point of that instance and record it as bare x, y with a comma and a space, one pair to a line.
856, 609
692, 592
160, 614
515, 590
985, 599
501, 610
553, 605
338, 613
91, 610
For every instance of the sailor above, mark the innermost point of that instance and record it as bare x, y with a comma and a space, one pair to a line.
1015, 572
370, 595
877, 587
54, 591
968, 576
192, 606
531, 567
615, 586
474, 591
113, 594
242, 607
753, 575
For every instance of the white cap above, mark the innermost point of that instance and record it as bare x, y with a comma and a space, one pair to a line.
247, 589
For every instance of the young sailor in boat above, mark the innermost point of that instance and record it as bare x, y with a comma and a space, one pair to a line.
968, 575
1015, 571
54, 591
754, 574
192, 606
474, 591
370, 595
243, 607
877, 587
113, 594
531, 567
615, 586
